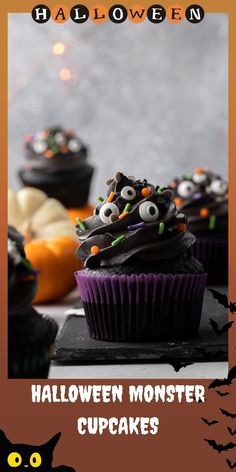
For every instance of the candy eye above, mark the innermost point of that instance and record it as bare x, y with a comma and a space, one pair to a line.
74, 145
39, 146
199, 178
128, 193
219, 187
35, 459
148, 211
186, 188
14, 459
108, 213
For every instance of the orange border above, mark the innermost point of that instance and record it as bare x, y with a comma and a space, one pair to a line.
175, 423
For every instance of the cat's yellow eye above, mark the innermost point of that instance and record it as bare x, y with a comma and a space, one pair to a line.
35, 459
14, 459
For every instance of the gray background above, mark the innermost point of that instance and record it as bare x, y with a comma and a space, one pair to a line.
150, 100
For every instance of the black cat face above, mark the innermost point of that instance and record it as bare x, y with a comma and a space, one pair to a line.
26, 458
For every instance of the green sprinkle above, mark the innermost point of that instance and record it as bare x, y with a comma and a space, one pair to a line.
212, 222
100, 199
188, 177
81, 223
50, 140
161, 228
118, 240
26, 263
127, 207
160, 189
55, 149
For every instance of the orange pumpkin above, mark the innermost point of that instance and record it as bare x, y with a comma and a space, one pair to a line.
57, 256
82, 213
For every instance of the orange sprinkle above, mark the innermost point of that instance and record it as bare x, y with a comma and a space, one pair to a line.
181, 227
178, 201
110, 197
146, 191
95, 250
198, 170
28, 278
204, 212
64, 149
48, 154
122, 215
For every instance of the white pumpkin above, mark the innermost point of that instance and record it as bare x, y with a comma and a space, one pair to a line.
38, 217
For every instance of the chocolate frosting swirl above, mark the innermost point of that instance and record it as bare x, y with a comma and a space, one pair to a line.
22, 278
203, 198
54, 150
137, 221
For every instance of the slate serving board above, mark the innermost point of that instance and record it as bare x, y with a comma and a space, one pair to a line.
74, 346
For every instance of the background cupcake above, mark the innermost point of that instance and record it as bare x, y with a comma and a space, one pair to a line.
30, 335
141, 281
56, 162
203, 198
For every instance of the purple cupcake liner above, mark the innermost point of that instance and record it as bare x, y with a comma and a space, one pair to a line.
213, 254
141, 307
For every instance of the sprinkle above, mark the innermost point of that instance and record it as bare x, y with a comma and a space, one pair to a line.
212, 222
28, 278
81, 224
122, 215
95, 250
55, 149
146, 191
161, 228
137, 226
181, 227
197, 195
118, 240
188, 176
204, 212
100, 199
63, 149
48, 154
110, 197
127, 207
26, 263
178, 201
50, 140
198, 170
173, 184
160, 189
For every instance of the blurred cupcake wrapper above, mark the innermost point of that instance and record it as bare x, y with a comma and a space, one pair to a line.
213, 254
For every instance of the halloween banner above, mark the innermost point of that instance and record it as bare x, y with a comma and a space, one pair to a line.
118, 298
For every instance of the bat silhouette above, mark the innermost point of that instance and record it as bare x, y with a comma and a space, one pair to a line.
209, 355
227, 413
226, 381
222, 394
209, 423
175, 363
223, 300
231, 464
220, 447
224, 329
231, 431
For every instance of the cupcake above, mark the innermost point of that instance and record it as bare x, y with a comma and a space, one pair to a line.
203, 198
30, 335
57, 165
140, 280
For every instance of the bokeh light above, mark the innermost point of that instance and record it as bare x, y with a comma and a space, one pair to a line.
65, 74
58, 48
